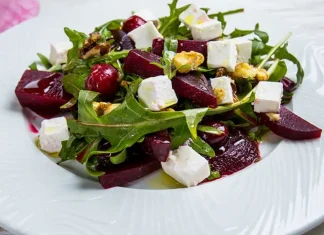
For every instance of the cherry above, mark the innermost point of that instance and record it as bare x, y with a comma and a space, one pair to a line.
132, 23
214, 140
103, 79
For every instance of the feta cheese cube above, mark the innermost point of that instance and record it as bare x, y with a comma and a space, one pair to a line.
58, 54
186, 166
143, 36
193, 15
206, 31
222, 54
268, 97
244, 49
224, 84
52, 133
147, 15
157, 93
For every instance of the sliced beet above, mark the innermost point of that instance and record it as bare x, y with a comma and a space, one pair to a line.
158, 46
288, 84
128, 171
194, 86
157, 145
238, 153
138, 62
42, 92
291, 126
193, 45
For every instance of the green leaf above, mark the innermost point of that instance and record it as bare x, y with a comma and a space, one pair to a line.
247, 114
126, 124
69, 104
71, 148
77, 66
73, 83
202, 147
279, 72
282, 53
225, 108
205, 70
259, 133
193, 117
110, 25
169, 25
44, 60
119, 158
56, 68
214, 175
33, 66
261, 34
77, 39
170, 49
209, 130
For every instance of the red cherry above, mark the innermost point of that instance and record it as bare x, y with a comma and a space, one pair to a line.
132, 23
215, 140
103, 79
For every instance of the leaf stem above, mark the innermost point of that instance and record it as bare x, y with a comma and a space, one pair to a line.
273, 67
231, 12
273, 50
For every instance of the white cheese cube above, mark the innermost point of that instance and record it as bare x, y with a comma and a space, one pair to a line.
52, 133
223, 83
144, 35
244, 49
186, 166
206, 31
58, 54
157, 93
147, 15
222, 54
268, 97
193, 15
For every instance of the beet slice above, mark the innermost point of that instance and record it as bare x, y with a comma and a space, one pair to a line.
138, 62
128, 171
238, 153
183, 45
42, 92
157, 145
193, 45
158, 46
291, 126
194, 86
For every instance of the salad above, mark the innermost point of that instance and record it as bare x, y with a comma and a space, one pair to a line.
177, 92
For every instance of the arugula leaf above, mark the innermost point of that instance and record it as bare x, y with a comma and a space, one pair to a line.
201, 147
69, 104
209, 130
77, 66
261, 34
247, 114
214, 175
282, 53
193, 117
33, 66
279, 72
119, 158
230, 123
71, 148
169, 25
126, 124
77, 39
110, 25
259, 133
73, 83
44, 60
56, 68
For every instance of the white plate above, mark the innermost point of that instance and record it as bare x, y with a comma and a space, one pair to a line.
281, 194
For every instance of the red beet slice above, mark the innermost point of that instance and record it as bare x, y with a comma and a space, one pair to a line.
193, 45
42, 92
291, 126
158, 46
183, 45
138, 62
194, 86
129, 171
238, 153
157, 145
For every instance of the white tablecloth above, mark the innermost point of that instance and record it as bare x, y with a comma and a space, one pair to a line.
308, 15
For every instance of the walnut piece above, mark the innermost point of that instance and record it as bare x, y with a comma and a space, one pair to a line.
103, 108
187, 61
244, 70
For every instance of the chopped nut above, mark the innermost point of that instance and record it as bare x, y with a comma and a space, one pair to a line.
220, 72
100, 49
244, 70
273, 117
187, 61
220, 94
103, 108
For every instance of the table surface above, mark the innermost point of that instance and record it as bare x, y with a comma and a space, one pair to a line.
305, 14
